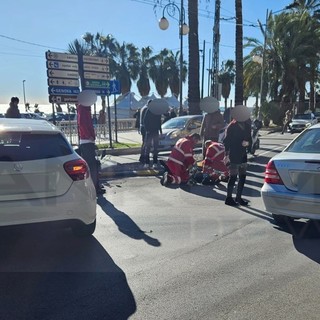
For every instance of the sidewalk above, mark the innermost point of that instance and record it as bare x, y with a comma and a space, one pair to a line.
125, 162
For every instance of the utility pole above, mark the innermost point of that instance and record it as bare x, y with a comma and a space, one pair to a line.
215, 60
203, 63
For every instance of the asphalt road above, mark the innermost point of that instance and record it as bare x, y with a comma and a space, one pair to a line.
166, 253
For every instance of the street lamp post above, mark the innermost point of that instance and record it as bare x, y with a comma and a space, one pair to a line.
170, 8
24, 92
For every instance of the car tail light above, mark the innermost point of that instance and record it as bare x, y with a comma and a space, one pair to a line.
271, 174
77, 169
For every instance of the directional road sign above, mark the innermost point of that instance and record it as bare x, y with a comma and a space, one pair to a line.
62, 74
96, 76
62, 99
62, 65
63, 82
96, 67
63, 90
96, 84
99, 60
61, 56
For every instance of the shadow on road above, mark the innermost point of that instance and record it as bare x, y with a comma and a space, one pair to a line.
125, 224
51, 274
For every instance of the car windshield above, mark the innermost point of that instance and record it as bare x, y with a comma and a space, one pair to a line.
306, 142
175, 123
302, 116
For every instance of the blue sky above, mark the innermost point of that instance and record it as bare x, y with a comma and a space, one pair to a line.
29, 28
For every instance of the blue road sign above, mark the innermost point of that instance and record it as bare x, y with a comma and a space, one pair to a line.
63, 90
114, 87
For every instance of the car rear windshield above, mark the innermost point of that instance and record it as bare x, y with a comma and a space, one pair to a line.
16, 146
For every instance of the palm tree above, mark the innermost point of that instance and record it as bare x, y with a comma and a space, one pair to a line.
193, 75
226, 78
127, 59
239, 55
173, 62
143, 82
160, 72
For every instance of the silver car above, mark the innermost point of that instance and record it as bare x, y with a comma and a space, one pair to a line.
292, 179
176, 128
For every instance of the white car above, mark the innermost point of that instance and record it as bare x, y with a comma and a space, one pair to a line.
42, 178
300, 121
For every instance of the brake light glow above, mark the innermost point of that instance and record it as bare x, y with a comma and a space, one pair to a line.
77, 169
271, 174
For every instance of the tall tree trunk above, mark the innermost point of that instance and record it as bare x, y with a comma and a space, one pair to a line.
239, 55
193, 74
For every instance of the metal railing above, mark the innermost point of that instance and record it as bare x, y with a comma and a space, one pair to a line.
70, 129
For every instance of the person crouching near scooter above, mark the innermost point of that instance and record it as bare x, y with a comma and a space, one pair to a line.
181, 159
213, 166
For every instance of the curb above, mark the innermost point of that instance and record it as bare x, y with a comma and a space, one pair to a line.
131, 173
119, 152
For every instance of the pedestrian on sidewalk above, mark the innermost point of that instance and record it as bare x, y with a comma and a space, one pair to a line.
236, 142
287, 119
13, 110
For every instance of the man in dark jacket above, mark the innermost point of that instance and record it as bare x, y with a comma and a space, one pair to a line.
152, 125
13, 110
236, 142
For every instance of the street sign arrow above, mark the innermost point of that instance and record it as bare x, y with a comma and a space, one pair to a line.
63, 82
62, 74
63, 99
96, 67
97, 76
99, 60
62, 65
61, 56
63, 90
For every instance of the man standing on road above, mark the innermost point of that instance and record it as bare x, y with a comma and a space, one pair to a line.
180, 160
142, 131
152, 125
87, 135
211, 125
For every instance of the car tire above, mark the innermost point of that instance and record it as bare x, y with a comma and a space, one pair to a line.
278, 219
84, 230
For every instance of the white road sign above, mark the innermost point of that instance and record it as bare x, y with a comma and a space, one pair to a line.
61, 56
97, 76
62, 74
63, 82
100, 60
61, 65
96, 67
